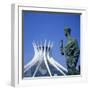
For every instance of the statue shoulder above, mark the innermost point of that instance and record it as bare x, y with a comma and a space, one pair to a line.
71, 45
74, 40
70, 42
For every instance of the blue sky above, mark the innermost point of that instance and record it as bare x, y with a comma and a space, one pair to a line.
39, 26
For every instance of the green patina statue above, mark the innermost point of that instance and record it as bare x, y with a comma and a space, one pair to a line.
71, 51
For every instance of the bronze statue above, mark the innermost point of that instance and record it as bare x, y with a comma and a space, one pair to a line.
71, 52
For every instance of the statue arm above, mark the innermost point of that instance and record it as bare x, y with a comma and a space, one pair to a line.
61, 48
62, 52
77, 51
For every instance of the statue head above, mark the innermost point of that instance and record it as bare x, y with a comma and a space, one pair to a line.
67, 31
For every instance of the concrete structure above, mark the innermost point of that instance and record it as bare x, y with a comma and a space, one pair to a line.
43, 62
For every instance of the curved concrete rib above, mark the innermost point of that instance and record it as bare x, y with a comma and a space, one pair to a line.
37, 54
47, 67
31, 64
25, 66
45, 60
59, 65
53, 64
43, 54
39, 63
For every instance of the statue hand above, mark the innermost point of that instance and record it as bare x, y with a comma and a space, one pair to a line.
61, 44
61, 47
